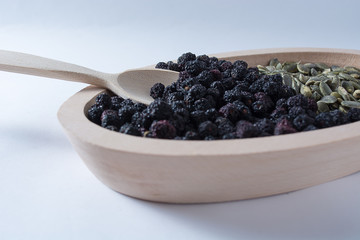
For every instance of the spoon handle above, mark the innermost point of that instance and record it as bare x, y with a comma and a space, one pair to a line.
44, 67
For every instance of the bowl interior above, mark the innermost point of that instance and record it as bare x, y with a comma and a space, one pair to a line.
254, 57
331, 57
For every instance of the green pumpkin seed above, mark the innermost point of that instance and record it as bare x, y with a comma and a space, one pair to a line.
316, 96
347, 77
332, 87
328, 99
323, 107
355, 85
303, 68
335, 94
343, 109
355, 75
351, 104
325, 89
303, 79
335, 106
261, 68
352, 98
310, 65
325, 79
327, 71
321, 66
295, 85
306, 91
344, 94
351, 69
356, 94
348, 87
316, 78
337, 68
290, 67
315, 88
274, 62
335, 82
313, 72
331, 75
287, 79
309, 82
270, 68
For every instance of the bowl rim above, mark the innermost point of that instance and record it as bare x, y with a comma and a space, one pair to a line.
73, 118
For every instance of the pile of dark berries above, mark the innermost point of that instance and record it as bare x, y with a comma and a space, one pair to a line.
215, 99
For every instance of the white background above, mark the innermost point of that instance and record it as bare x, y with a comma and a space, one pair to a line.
46, 192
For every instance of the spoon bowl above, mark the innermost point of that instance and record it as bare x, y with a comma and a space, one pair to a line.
176, 171
134, 84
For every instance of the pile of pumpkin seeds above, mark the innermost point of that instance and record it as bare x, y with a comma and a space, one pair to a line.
333, 87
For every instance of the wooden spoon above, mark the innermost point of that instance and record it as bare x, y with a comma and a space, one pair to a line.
134, 84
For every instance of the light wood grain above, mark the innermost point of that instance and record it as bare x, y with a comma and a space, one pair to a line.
215, 171
134, 84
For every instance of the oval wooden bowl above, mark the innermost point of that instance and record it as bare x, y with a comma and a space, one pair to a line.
223, 170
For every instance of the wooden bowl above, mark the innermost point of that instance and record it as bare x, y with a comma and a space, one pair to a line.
214, 171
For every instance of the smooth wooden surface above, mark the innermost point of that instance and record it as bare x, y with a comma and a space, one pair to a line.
133, 84
222, 170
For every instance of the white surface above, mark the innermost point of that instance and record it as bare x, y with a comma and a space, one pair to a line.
46, 190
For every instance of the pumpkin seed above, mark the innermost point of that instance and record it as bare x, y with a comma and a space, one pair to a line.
325, 89
290, 67
313, 72
321, 66
332, 87
355, 85
344, 94
287, 80
261, 68
315, 88
303, 68
295, 85
328, 99
335, 82
335, 94
270, 68
347, 77
355, 75
323, 107
351, 69
352, 98
302, 78
336, 68
309, 82
343, 109
335, 105
348, 87
351, 104
325, 79
316, 96
306, 91
327, 71
356, 94
278, 66
316, 78
274, 62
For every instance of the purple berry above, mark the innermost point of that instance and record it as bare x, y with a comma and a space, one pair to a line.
157, 90
162, 129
